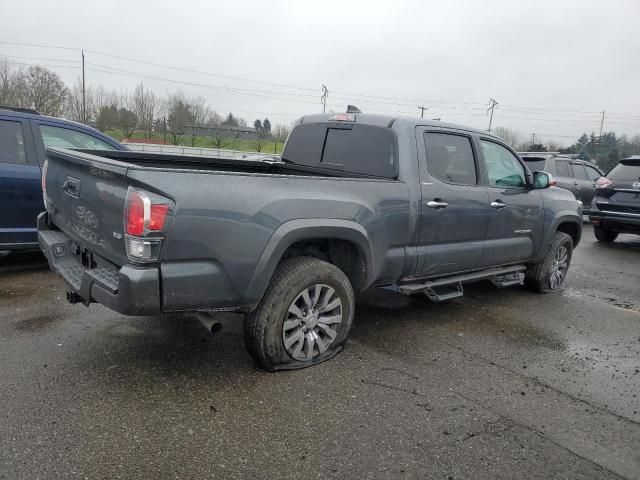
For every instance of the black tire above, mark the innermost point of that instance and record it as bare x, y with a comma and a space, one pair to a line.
264, 335
538, 275
603, 235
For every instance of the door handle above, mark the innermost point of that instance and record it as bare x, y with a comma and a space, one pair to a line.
437, 204
498, 204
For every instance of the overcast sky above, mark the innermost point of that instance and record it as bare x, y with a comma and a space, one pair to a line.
552, 66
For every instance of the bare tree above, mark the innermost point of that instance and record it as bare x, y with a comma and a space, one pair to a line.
200, 112
259, 143
12, 90
144, 105
218, 141
46, 92
280, 133
127, 121
179, 116
511, 137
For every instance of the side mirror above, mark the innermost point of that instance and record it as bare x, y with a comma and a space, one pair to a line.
542, 180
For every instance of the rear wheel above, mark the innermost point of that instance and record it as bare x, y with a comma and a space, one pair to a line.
304, 317
549, 274
603, 235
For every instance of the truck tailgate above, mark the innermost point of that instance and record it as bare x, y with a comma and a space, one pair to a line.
86, 197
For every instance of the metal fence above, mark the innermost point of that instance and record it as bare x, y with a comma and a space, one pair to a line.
197, 151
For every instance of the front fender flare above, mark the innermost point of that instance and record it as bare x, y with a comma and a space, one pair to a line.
564, 216
304, 229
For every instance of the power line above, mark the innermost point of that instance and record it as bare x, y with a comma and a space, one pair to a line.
20, 44
411, 101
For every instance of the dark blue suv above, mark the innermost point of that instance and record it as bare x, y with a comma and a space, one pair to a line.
24, 136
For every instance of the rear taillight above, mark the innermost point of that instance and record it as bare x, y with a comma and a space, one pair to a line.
44, 182
603, 182
145, 219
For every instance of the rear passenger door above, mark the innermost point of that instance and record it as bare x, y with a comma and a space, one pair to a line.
517, 216
585, 181
455, 207
20, 187
565, 178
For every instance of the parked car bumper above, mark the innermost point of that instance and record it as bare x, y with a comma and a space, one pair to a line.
616, 221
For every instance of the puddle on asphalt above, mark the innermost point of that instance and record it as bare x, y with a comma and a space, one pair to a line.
616, 302
37, 322
511, 329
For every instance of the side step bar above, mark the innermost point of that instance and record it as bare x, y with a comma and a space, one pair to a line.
451, 287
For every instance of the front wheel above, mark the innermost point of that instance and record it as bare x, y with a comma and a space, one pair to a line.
603, 235
304, 317
549, 274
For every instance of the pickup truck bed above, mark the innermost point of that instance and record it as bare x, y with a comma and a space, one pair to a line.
356, 201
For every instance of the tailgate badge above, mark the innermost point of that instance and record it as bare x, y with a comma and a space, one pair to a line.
636, 185
117, 235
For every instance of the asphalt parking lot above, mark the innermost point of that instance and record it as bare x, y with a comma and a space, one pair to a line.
497, 384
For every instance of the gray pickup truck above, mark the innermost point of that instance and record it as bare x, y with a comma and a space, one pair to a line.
356, 201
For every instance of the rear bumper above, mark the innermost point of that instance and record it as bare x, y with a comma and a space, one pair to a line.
129, 290
616, 221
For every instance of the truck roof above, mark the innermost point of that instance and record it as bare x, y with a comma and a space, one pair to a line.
390, 120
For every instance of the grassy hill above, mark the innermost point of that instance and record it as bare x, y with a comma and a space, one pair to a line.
206, 142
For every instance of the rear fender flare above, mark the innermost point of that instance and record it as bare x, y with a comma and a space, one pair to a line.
304, 229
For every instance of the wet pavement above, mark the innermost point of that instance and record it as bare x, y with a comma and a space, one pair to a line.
497, 384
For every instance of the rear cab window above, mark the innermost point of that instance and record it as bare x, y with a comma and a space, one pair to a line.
355, 148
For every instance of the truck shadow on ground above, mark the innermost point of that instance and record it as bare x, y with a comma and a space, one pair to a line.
178, 350
11, 262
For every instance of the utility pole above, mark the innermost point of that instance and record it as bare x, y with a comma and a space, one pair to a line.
533, 139
601, 124
84, 101
492, 104
323, 99
422, 109
164, 120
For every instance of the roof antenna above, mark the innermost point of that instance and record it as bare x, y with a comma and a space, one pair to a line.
353, 109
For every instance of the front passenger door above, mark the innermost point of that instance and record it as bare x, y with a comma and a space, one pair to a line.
517, 219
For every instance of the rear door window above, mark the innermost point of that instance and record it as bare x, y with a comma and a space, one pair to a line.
68, 138
563, 169
12, 147
579, 171
450, 158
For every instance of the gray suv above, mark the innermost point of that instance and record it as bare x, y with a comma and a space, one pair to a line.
577, 176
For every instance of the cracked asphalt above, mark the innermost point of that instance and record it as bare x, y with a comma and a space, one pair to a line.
497, 384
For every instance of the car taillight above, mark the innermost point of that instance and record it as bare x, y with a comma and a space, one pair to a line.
603, 182
145, 219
